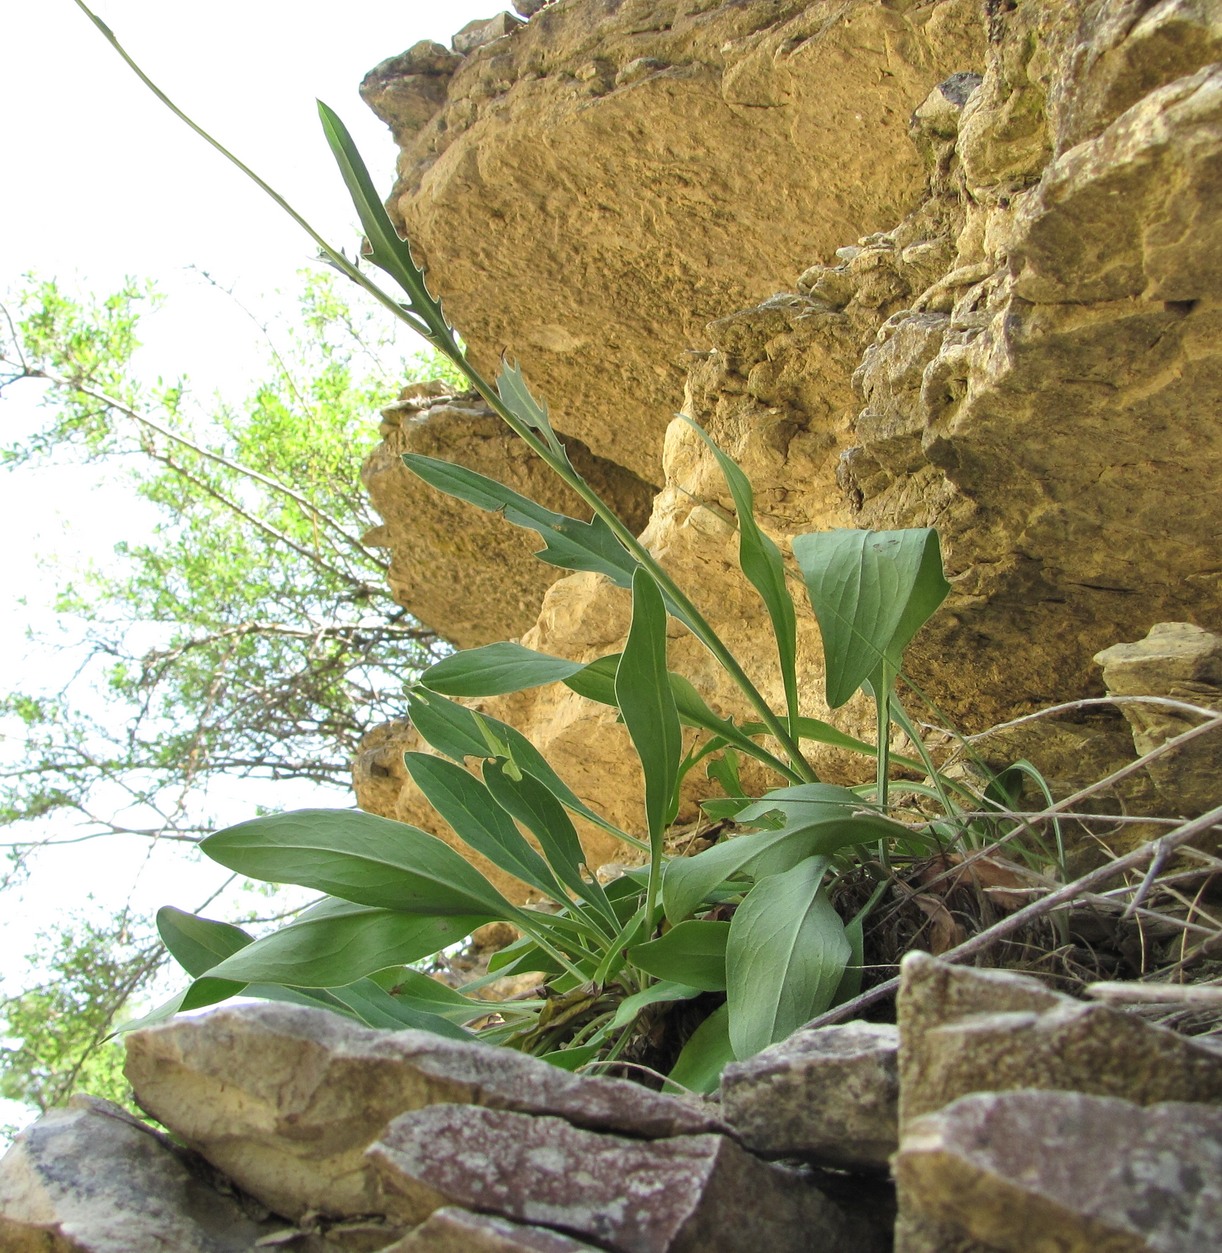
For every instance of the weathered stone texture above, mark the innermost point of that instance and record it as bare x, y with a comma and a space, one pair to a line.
285, 1099
669, 1196
993, 232
830, 1096
1059, 1170
92, 1179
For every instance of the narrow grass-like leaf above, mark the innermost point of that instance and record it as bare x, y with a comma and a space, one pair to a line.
871, 592
644, 697
569, 543
692, 953
466, 804
494, 670
360, 858
705, 1055
530, 803
760, 560
785, 958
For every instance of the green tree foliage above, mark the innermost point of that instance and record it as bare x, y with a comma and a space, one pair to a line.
249, 631
243, 630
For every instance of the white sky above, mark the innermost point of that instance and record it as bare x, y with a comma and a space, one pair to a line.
99, 181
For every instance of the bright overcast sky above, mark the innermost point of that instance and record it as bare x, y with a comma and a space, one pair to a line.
99, 181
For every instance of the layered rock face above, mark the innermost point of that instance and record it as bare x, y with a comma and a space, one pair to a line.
948, 263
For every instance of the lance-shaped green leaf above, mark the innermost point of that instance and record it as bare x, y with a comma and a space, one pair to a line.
596, 681
335, 949
361, 858
531, 804
368, 1003
660, 993
644, 697
819, 820
494, 670
387, 251
459, 733
760, 560
871, 592
785, 958
706, 1054
467, 805
569, 543
692, 953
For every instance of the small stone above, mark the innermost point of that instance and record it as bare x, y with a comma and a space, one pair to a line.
641, 67
528, 8
685, 1194
1178, 661
451, 1230
830, 1096
483, 31
92, 1179
1032, 1170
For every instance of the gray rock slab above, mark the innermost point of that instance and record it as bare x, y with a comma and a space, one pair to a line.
92, 1179
285, 1099
451, 1230
1060, 1170
693, 1192
964, 1030
830, 1096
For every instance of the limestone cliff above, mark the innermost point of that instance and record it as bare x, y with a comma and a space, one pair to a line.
910, 262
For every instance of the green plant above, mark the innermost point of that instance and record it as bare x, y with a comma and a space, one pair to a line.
749, 919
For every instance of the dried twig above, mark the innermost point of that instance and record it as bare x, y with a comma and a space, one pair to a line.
1062, 896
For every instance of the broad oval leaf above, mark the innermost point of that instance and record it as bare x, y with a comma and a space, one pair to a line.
785, 958
692, 953
871, 592
196, 943
361, 858
660, 993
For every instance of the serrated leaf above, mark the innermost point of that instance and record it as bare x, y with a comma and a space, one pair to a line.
569, 543
785, 958
512, 389
871, 592
361, 858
